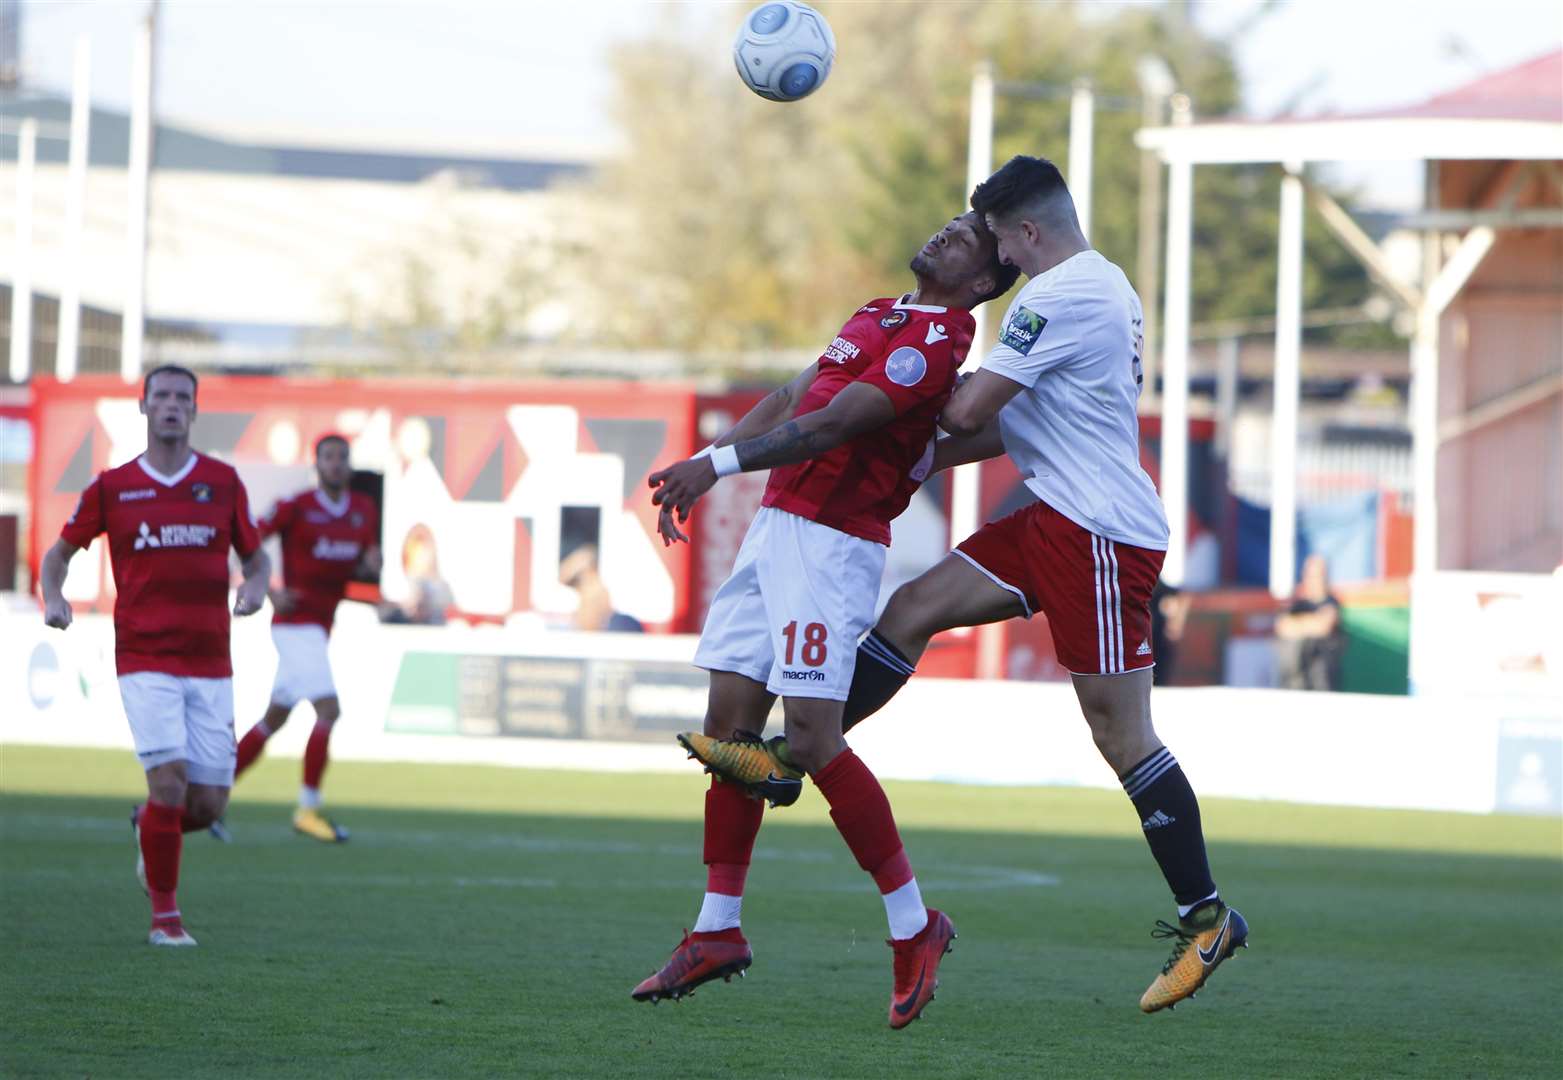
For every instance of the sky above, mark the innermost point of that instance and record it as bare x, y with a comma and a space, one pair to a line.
530, 75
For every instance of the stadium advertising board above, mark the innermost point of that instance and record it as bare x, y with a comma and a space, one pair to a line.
613, 701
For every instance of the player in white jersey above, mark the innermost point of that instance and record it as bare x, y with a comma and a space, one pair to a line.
1058, 393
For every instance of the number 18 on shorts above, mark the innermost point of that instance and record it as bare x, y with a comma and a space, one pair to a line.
790, 614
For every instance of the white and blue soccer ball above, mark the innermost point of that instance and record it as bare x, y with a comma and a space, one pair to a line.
784, 50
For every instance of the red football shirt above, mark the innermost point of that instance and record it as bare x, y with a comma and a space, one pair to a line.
912, 353
322, 543
168, 543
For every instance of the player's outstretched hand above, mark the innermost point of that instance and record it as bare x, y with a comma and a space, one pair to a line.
680, 484
57, 614
671, 533
249, 598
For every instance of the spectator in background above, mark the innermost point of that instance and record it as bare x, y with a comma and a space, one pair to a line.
430, 596
1310, 638
1169, 615
579, 571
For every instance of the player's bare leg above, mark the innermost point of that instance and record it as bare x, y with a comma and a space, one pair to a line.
919, 936
308, 819
717, 949
160, 840
952, 593
949, 594
250, 748
1118, 710
254, 740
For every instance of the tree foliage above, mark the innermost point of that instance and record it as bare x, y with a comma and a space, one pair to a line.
736, 223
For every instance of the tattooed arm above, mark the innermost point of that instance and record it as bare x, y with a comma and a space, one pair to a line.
777, 407
859, 407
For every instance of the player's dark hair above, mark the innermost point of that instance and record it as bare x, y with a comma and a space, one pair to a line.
330, 437
1003, 275
1026, 184
169, 369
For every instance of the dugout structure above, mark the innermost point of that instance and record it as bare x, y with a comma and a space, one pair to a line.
1487, 352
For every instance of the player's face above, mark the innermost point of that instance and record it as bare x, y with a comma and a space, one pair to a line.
953, 255
333, 465
1012, 237
169, 406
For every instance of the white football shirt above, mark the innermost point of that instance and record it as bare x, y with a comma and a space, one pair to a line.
1072, 337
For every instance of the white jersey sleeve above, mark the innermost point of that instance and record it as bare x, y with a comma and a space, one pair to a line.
1040, 332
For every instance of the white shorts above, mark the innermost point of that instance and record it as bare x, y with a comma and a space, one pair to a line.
303, 664
178, 718
800, 596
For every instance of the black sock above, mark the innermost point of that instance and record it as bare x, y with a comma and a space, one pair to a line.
1169, 814
880, 673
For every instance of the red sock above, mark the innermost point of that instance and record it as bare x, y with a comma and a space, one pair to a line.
161, 841
250, 747
862, 815
732, 823
315, 755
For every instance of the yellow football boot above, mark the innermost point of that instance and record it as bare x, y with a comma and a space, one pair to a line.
758, 766
1201, 940
313, 823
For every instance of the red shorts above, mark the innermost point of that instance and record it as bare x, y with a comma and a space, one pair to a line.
1095, 592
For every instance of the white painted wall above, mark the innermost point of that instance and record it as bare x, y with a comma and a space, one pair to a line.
1433, 753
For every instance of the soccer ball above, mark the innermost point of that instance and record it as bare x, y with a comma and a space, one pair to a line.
784, 50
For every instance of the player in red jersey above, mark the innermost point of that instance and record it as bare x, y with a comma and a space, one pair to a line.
843, 442
170, 516
1058, 394
329, 535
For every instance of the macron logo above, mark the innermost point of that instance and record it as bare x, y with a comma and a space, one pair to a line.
1158, 820
935, 333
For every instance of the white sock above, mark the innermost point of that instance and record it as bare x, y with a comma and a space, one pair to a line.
718, 912
1184, 909
904, 907
309, 797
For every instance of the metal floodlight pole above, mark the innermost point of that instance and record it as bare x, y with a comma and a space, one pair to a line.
139, 175
965, 491
22, 275
1082, 110
69, 335
1288, 356
1175, 354
1156, 86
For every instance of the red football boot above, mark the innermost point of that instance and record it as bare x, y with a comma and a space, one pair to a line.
917, 968
698, 959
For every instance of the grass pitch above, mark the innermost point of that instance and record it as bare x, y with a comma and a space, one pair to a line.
489, 922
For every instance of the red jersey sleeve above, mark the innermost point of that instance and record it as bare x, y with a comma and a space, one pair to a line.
914, 369
278, 518
246, 536
86, 521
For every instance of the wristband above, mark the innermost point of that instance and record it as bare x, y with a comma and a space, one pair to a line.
704, 453
725, 460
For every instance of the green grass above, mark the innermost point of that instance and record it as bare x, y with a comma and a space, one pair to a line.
491, 922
